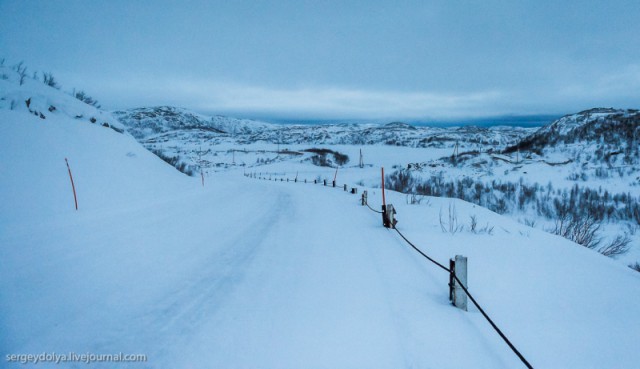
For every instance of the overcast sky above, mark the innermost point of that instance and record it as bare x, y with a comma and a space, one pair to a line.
335, 59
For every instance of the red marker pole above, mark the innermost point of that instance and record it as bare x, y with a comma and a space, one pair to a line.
73, 187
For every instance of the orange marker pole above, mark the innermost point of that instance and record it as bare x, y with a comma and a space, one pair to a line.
383, 200
73, 187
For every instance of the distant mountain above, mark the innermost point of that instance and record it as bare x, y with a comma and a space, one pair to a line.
145, 122
610, 129
170, 123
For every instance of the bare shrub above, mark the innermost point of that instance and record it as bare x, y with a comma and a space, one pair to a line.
451, 225
473, 226
49, 80
22, 71
581, 230
413, 199
619, 246
82, 96
635, 266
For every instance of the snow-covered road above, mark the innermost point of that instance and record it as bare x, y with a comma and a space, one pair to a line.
241, 274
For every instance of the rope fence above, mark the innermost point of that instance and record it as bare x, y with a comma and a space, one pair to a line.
390, 223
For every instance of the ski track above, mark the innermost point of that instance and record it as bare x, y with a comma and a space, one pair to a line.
174, 318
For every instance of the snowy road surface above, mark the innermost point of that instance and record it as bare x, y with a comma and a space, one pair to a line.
256, 275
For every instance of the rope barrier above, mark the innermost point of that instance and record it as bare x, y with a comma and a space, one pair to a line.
495, 327
480, 309
372, 209
466, 291
422, 253
464, 288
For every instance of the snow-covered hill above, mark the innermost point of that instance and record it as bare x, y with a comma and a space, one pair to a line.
583, 125
145, 122
585, 165
46, 102
110, 168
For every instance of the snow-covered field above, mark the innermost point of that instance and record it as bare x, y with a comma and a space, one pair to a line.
248, 273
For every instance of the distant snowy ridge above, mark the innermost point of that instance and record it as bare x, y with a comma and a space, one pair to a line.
174, 123
143, 122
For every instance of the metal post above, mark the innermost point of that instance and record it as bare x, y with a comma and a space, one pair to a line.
459, 297
364, 198
388, 216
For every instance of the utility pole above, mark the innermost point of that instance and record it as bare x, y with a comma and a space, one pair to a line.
455, 151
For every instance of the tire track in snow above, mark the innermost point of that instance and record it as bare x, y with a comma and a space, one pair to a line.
172, 320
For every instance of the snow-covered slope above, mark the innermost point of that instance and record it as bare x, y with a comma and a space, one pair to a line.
110, 168
46, 102
564, 127
588, 163
145, 122
600, 135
